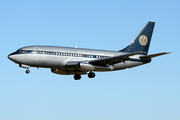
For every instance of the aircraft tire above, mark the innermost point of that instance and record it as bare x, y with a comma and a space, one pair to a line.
77, 77
27, 71
91, 75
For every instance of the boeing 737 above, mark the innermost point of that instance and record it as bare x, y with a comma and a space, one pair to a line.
78, 61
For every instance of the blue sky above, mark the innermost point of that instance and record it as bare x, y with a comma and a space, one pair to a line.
142, 93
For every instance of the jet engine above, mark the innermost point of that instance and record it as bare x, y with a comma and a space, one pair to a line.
90, 67
87, 67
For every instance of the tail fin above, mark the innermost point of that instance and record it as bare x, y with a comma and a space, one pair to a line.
142, 41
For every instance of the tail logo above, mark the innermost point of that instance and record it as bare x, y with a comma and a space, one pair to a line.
143, 40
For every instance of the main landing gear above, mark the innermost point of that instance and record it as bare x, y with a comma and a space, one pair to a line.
90, 75
77, 76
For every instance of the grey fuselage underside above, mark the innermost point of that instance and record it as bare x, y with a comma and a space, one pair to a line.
58, 57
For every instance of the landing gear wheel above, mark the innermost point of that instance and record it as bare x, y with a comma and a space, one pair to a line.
91, 75
77, 77
27, 71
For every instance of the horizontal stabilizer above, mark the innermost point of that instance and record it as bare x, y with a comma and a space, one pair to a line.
154, 55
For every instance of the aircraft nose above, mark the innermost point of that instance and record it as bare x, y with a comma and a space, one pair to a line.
10, 56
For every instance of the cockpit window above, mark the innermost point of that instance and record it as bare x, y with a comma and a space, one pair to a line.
22, 51
18, 50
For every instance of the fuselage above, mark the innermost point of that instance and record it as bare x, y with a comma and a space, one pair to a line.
58, 57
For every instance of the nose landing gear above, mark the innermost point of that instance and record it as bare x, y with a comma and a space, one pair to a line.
25, 66
27, 71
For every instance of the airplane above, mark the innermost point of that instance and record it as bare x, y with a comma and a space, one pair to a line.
79, 61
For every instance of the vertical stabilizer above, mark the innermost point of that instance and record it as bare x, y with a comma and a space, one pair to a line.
142, 41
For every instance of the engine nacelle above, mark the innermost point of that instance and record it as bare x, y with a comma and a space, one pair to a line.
86, 67
89, 67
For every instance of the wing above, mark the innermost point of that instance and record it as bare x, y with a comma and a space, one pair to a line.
100, 64
112, 60
105, 63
